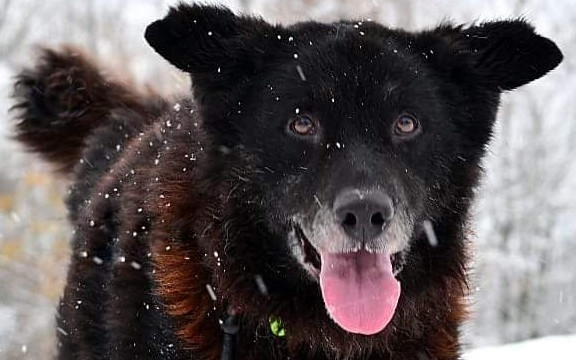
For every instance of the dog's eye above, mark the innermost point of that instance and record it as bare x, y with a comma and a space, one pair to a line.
406, 124
303, 125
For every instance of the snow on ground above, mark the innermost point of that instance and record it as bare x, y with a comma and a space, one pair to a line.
552, 347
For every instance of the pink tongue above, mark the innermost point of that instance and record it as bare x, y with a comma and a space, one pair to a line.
359, 290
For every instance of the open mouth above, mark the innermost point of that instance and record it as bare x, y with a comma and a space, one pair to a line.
310, 258
313, 262
359, 288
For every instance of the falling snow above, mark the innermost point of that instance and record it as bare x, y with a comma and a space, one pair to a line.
522, 301
430, 233
261, 284
301, 72
211, 292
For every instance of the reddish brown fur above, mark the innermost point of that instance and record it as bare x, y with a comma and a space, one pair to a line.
69, 91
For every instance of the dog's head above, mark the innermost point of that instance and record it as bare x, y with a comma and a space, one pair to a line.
361, 139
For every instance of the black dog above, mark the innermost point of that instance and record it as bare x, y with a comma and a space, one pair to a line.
312, 198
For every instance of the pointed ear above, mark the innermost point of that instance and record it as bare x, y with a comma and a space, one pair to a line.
502, 54
211, 43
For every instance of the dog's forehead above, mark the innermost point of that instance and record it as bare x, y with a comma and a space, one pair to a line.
347, 61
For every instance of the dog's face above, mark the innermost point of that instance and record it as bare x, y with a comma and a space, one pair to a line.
359, 137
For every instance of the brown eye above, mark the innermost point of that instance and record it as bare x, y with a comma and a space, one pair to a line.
406, 124
303, 125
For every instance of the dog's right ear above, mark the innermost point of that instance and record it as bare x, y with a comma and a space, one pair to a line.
215, 46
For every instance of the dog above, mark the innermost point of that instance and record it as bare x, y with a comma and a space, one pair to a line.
308, 200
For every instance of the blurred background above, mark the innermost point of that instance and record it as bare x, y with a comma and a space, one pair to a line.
524, 270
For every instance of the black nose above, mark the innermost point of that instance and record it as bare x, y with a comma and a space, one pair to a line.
363, 214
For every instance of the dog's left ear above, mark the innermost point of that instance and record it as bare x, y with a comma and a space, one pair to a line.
218, 48
502, 54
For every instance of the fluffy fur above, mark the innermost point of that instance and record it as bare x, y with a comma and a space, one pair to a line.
169, 200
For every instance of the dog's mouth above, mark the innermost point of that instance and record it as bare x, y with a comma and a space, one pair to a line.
310, 257
312, 262
359, 287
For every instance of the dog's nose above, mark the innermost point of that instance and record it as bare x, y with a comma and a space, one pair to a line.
363, 214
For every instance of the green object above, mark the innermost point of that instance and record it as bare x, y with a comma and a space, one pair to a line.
277, 326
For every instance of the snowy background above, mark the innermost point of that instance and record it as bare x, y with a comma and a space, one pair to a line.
525, 219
